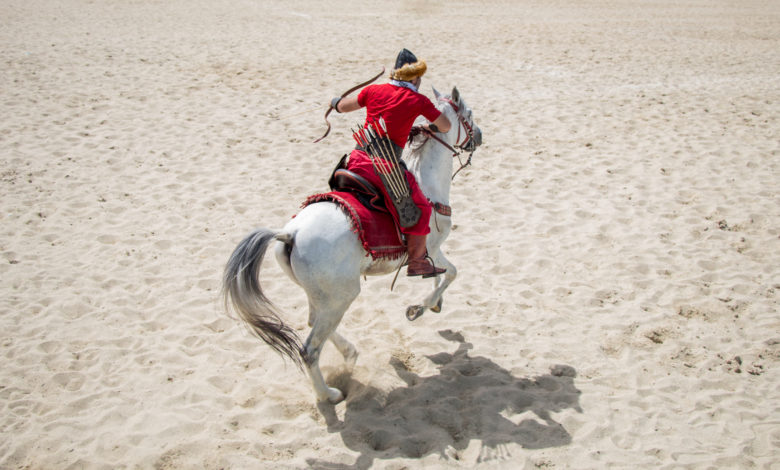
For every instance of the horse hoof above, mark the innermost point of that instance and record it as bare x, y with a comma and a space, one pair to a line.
414, 312
437, 308
335, 396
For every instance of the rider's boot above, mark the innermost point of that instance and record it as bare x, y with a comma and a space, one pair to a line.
419, 264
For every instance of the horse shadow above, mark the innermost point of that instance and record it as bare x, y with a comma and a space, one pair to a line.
471, 398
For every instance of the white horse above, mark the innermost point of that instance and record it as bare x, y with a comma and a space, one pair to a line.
320, 252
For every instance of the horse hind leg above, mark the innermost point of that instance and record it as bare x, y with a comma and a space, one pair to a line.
323, 328
324, 321
346, 349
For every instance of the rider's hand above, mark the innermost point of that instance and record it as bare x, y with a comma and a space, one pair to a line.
417, 130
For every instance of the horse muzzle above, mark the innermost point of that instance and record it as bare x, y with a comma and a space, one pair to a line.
473, 142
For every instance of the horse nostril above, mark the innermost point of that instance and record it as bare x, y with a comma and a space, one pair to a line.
478, 137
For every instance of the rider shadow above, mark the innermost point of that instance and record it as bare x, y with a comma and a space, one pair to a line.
470, 398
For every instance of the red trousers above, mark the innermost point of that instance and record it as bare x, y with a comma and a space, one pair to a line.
360, 163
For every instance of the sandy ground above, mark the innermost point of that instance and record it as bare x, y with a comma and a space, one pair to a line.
617, 238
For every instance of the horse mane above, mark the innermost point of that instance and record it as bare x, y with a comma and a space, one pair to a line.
416, 143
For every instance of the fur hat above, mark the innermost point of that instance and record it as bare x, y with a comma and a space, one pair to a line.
407, 67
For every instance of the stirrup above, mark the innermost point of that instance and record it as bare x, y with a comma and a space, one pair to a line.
430, 269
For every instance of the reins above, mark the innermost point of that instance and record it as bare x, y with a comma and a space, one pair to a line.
456, 150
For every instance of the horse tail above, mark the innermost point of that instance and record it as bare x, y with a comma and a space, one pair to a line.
241, 290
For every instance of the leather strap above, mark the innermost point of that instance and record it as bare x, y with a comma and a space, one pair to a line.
442, 209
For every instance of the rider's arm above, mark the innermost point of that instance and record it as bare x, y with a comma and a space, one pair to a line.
441, 123
350, 103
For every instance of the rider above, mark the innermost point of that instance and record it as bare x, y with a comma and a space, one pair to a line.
399, 104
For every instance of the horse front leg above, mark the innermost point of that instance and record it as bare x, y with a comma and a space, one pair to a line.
433, 301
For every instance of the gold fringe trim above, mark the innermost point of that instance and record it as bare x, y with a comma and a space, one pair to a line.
409, 72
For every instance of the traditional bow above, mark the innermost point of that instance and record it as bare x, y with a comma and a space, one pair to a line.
356, 87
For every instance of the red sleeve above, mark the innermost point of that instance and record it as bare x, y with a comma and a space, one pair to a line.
429, 111
362, 96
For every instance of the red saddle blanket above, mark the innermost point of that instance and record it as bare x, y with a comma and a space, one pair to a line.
376, 230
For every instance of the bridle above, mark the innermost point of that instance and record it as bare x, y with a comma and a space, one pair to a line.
463, 124
467, 145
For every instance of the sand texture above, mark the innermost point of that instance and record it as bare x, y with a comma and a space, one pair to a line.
617, 238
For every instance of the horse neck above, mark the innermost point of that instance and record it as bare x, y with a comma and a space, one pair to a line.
431, 164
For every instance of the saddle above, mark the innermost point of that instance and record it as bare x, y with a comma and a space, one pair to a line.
347, 181
364, 204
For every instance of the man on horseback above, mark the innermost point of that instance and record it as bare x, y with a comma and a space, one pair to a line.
396, 105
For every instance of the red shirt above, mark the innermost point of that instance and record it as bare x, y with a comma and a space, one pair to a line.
398, 106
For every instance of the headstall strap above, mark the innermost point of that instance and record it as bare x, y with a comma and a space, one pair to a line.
462, 121
469, 135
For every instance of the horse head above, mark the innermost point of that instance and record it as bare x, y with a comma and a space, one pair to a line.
469, 134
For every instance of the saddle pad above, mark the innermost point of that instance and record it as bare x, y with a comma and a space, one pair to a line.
376, 230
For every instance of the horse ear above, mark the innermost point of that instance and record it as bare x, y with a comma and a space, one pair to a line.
436, 93
455, 94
